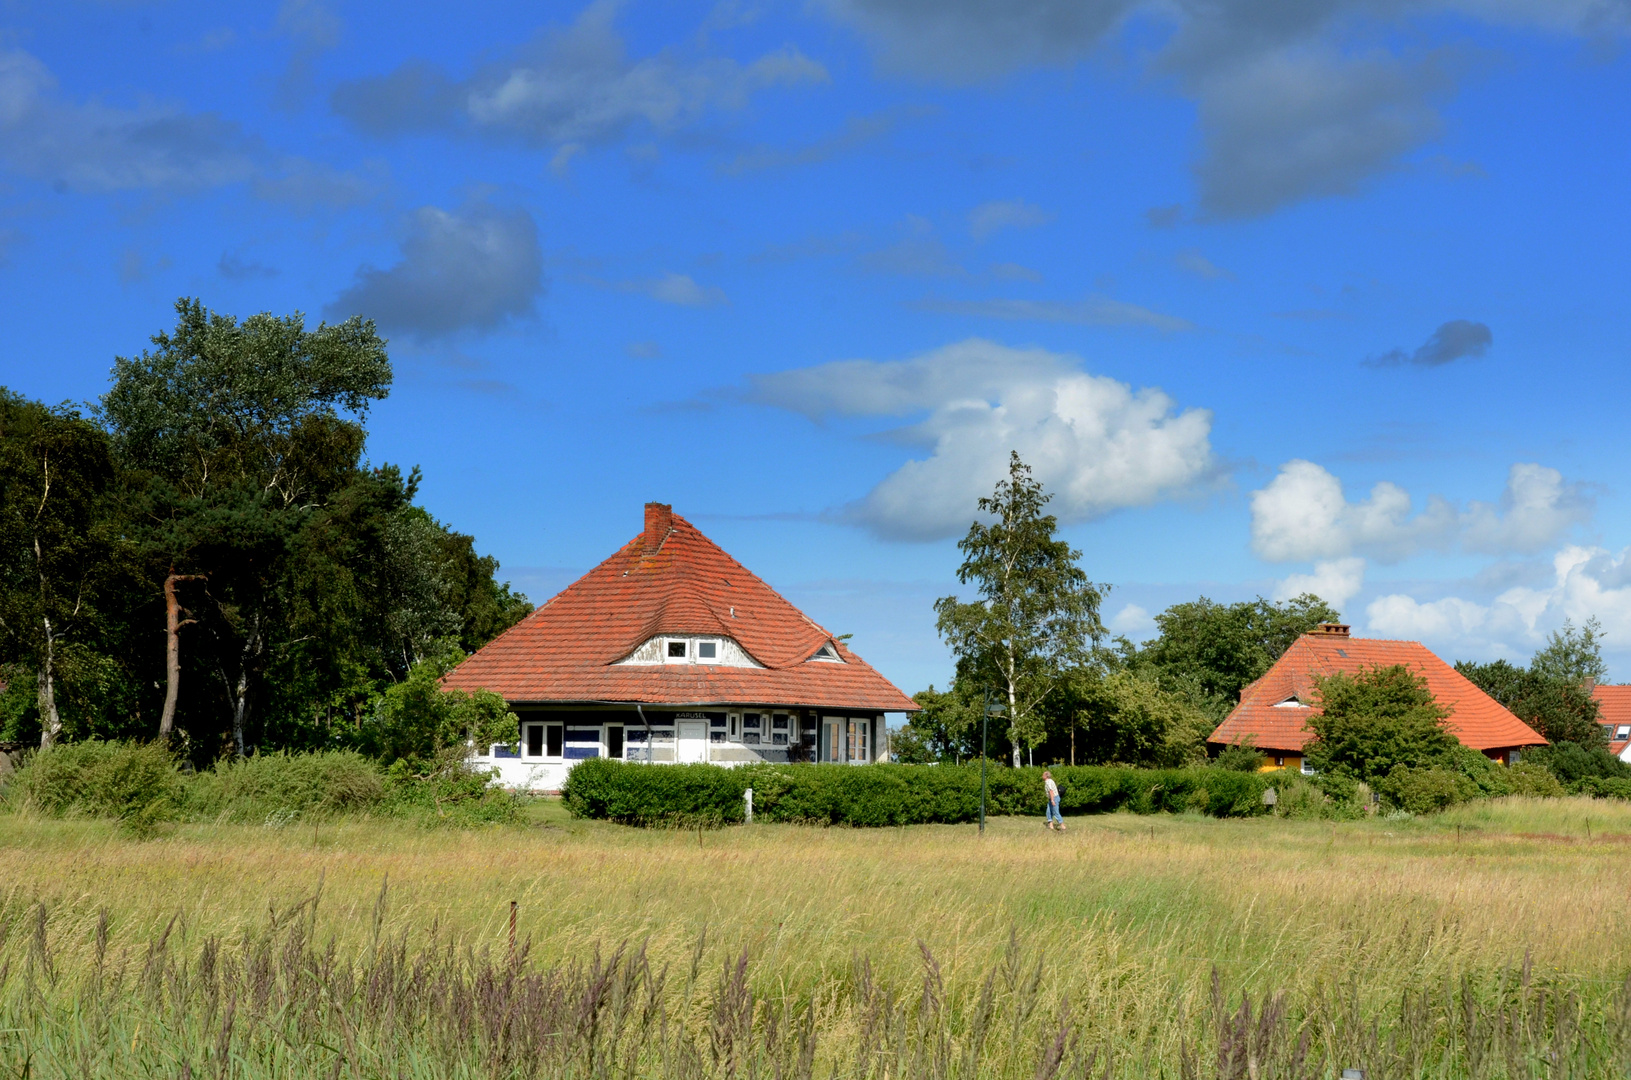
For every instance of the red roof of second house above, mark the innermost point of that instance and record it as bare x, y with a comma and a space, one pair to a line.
1273, 712
1614, 704
673, 580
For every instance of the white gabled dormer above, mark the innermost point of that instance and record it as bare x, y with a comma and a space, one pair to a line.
1289, 703
706, 649
827, 654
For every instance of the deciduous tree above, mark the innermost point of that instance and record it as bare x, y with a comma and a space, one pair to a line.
1037, 615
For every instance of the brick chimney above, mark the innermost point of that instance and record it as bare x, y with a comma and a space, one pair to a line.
1331, 629
659, 519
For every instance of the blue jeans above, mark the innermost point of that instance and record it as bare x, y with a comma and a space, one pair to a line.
1052, 812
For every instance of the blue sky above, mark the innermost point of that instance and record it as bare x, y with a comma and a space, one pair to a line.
1274, 294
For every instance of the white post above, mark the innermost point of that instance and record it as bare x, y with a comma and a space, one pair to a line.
747, 797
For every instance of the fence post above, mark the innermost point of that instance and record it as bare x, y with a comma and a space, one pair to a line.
747, 799
512, 932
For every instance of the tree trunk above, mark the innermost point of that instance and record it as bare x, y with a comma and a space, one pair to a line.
1013, 721
50, 720
240, 692
172, 652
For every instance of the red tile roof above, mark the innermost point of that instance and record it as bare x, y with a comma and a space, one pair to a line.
1477, 719
672, 580
1614, 703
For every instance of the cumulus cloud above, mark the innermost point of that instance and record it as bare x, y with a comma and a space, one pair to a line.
469, 269
1294, 101
91, 146
1585, 583
1455, 340
1335, 581
1097, 444
572, 86
1303, 514
991, 217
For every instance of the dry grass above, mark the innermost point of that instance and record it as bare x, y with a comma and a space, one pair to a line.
1113, 930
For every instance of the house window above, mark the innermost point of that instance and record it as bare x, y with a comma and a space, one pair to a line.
827, 653
1308, 770
552, 740
676, 650
736, 726
753, 728
582, 743
1623, 731
535, 740
614, 742
1514, 756
717, 727
506, 750
779, 729
707, 650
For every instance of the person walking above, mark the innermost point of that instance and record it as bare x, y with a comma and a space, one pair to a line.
1051, 817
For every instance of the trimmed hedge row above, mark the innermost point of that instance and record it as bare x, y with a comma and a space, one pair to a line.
871, 795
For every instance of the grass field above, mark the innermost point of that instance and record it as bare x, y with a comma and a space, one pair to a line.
1490, 941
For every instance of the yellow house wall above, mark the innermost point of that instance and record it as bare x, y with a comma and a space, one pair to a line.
1273, 762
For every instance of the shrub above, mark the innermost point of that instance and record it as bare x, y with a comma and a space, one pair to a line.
1571, 763
136, 783
874, 795
1375, 720
1425, 791
1604, 787
286, 785
452, 794
1240, 757
1527, 778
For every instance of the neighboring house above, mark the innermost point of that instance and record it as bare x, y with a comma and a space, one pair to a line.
672, 651
1274, 711
1614, 705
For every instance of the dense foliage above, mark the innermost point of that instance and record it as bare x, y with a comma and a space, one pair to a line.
225, 465
1373, 721
143, 786
1553, 694
876, 795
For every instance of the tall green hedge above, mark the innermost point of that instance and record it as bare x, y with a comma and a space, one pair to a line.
640, 794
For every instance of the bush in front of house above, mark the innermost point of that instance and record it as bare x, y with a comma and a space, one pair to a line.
136, 784
874, 795
264, 786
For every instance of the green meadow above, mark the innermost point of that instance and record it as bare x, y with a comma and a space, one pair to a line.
1488, 941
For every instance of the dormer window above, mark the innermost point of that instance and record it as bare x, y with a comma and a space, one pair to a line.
676, 650
1288, 703
827, 653
707, 650
713, 651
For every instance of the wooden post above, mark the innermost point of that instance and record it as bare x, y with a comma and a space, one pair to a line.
172, 650
512, 932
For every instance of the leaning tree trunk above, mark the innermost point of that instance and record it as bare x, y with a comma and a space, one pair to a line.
172, 652
50, 720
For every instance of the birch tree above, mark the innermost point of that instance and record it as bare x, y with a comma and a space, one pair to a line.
54, 470
1037, 616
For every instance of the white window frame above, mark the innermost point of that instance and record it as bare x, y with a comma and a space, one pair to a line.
543, 726
689, 651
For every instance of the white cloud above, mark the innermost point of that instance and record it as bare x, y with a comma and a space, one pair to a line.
1096, 444
571, 85
1335, 581
1303, 514
680, 289
990, 217
1132, 622
1587, 582
92, 146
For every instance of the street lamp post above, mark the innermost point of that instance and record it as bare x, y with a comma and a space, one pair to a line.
985, 724
986, 709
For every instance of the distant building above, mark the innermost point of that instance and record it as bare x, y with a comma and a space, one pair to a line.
1274, 711
672, 651
1614, 705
